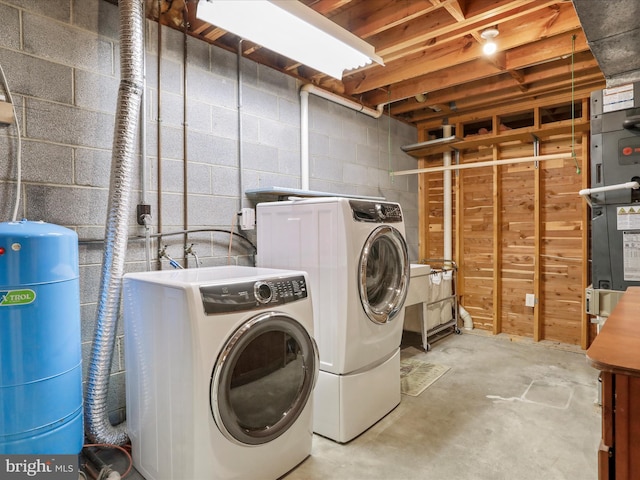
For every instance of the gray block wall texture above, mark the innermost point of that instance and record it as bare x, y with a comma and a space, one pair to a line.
61, 59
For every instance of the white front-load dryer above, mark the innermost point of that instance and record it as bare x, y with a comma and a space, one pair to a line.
220, 368
356, 256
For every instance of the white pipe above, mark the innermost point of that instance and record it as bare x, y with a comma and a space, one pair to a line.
468, 321
586, 192
305, 90
304, 138
609, 188
489, 163
447, 205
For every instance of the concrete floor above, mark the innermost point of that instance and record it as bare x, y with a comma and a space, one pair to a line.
506, 409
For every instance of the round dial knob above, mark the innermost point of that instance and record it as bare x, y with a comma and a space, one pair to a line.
262, 292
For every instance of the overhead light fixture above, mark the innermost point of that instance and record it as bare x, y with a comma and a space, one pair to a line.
489, 47
292, 29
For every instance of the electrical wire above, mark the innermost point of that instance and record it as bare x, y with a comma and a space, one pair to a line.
14, 216
178, 232
233, 224
389, 135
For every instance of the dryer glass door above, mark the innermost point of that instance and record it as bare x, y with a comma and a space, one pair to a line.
384, 274
263, 379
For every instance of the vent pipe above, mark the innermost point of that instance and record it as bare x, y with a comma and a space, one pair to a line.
97, 425
305, 90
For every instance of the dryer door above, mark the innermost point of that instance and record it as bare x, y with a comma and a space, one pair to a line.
383, 274
263, 378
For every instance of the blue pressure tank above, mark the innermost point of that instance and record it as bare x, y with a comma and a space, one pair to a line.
40, 353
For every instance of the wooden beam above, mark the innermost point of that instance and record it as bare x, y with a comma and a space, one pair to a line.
327, 6
557, 70
497, 245
439, 26
535, 94
423, 206
373, 17
437, 76
455, 9
455, 52
522, 134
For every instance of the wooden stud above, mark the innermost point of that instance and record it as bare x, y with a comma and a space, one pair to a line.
497, 247
459, 231
423, 205
537, 318
502, 251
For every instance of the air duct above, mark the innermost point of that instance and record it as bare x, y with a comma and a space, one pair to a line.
97, 425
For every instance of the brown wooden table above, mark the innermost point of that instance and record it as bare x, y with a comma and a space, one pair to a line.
616, 352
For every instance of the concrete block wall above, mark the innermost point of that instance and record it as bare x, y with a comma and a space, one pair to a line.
61, 59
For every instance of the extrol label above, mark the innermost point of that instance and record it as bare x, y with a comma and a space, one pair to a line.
10, 298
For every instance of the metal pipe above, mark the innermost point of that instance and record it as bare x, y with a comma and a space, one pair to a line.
159, 128
143, 123
97, 425
185, 134
144, 164
240, 152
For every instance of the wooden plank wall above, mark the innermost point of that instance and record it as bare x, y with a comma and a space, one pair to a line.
523, 230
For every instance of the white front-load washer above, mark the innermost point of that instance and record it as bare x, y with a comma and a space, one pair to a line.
356, 256
220, 368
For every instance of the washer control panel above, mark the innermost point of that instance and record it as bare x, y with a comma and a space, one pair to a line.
245, 296
375, 212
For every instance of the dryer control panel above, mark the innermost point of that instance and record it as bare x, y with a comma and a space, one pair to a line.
376, 212
252, 295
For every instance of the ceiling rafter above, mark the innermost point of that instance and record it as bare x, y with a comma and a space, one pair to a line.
433, 47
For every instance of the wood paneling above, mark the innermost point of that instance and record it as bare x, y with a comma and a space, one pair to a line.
523, 232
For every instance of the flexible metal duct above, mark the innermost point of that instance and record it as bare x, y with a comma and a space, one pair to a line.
97, 425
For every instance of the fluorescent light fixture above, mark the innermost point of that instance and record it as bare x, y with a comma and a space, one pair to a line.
292, 29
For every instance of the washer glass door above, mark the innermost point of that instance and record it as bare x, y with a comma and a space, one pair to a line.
383, 274
263, 379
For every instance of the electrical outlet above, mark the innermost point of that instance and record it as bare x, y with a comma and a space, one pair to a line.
143, 210
530, 300
248, 219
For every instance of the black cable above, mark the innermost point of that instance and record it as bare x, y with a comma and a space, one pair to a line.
179, 232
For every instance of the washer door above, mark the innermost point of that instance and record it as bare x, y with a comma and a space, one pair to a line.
383, 274
263, 379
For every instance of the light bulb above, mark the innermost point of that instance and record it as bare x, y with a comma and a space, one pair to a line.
489, 48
